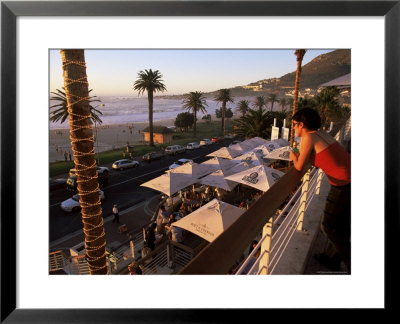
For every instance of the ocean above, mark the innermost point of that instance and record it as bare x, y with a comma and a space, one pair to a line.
121, 110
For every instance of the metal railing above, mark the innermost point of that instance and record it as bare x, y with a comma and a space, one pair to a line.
227, 249
283, 226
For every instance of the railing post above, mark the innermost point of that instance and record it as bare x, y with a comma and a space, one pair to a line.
303, 200
319, 180
265, 248
132, 246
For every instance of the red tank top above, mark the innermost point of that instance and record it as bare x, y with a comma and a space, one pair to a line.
336, 163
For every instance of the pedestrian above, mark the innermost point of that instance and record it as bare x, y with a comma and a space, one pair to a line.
65, 156
323, 151
70, 156
151, 236
116, 214
131, 156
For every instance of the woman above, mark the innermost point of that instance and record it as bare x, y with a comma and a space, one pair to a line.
323, 151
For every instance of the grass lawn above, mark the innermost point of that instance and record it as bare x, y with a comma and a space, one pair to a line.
204, 130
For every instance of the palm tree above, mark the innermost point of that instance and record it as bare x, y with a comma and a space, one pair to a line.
260, 102
61, 113
149, 81
283, 103
256, 123
243, 107
327, 104
195, 101
299, 56
81, 135
272, 98
223, 96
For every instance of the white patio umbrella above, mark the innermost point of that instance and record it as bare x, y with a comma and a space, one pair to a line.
250, 158
259, 177
226, 152
281, 142
256, 141
280, 154
170, 183
271, 146
260, 151
217, 163
210, 220
217, 180
193, 169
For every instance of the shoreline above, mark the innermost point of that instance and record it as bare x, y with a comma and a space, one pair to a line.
108, 136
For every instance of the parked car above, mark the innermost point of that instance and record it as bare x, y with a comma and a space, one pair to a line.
179, 163
192, 146
205, 141
57, 184
72, 184
124, 164
175, 149
153, 156
217, 139
72, 204
99, 169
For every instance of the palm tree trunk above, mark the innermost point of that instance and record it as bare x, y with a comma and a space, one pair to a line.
223, 116
81, 136
150, 99
299, 54
194, 125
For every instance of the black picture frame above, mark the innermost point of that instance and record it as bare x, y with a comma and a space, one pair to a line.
11, 10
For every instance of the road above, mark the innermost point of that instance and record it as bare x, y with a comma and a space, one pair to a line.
123, 189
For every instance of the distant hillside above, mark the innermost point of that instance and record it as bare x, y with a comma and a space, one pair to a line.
322, 69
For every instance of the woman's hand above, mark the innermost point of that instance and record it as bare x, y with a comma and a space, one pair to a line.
294, 156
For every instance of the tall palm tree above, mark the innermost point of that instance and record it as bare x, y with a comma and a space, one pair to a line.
299, 57
223, 96
272, 98
81, 135
195, 101
243, 107
256, 123
61, 111
151, 82
260, 102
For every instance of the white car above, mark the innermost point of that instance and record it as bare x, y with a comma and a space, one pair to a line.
124, 164
72, 204
205, 141
192, 146
179, 163
174, 149
100, 170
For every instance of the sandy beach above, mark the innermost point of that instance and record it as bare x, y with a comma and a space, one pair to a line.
108, 136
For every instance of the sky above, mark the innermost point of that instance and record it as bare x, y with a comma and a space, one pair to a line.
112, 72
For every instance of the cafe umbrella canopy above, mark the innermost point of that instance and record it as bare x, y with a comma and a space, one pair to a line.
170, 183
259, 177
193, 169
217, 163
227, 153
210, 220
217, 180
282, 153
